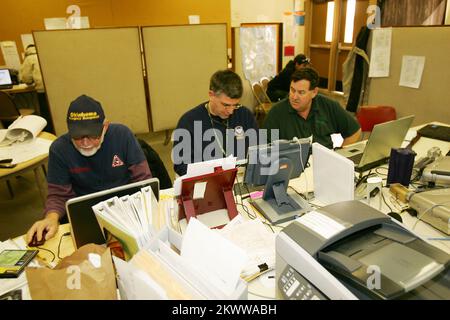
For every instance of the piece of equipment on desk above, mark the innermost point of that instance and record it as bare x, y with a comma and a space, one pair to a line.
273, 165
349, 250
433, 206
437, 172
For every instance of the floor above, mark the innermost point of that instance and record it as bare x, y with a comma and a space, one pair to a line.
19, 213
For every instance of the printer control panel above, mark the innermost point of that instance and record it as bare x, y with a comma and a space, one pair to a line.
294, 286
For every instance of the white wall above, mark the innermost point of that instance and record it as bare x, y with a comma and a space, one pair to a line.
248, 11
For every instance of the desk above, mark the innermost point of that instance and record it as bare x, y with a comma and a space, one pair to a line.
33, 164
21, 88
264, 287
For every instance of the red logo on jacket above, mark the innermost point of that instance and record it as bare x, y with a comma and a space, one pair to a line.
117, 162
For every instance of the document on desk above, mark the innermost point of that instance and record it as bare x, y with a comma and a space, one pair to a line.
23, 129
321, 224
21, 152
219, 260
258, 242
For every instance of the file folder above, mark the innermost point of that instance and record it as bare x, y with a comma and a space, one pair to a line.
165, 247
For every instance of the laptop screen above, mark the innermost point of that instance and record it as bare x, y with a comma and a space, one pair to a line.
84, 225
5, 78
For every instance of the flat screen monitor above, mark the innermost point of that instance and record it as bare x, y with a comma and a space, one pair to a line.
83, 223
273, 165
5, 79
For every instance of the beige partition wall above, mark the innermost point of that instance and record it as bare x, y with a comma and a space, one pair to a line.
105, 64
431, 101
180, 61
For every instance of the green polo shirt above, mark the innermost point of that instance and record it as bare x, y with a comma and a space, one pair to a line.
325, 118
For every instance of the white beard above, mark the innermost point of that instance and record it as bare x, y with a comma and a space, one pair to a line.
91, 151
88, 153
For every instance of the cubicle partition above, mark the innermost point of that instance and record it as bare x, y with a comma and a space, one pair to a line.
105, 64
180, 61
431, 101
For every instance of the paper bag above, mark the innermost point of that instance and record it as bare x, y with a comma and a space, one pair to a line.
80, 276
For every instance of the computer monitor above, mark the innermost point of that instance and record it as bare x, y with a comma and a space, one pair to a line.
5, 79
273, 165
83, 223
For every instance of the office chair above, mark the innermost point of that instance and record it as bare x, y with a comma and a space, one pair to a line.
264, 83
264, 103
368, 116
9, 111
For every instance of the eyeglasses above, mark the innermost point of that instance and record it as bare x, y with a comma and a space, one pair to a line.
87, 137
230, 106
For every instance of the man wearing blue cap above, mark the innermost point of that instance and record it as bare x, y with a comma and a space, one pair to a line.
94, 155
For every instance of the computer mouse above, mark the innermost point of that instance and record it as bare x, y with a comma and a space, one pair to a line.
34, 242
396, 216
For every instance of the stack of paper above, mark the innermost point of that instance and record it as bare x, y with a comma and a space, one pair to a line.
258, 242
200, 265
128, 219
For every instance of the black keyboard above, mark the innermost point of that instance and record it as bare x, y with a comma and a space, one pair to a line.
356, 158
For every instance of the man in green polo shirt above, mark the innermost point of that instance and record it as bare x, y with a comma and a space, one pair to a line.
305, 113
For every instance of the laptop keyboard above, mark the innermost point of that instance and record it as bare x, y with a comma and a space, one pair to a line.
356, 158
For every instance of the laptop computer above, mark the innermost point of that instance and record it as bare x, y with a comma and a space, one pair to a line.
83, 223
5, 79
377, 150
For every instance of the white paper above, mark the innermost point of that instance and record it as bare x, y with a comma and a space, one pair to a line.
412, 70
55, 23
199, 190
27, 39
321, 224
72, 22
253, 237
25, 151
25, 128
380, 57
10, 54
215, 257
136, 283
194, 19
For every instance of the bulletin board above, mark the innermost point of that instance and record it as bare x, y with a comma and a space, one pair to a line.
180, 61
247, 99
105, 64
431, 101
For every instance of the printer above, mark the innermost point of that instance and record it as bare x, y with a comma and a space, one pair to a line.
348, 250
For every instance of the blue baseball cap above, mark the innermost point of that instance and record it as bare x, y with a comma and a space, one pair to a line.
85, 117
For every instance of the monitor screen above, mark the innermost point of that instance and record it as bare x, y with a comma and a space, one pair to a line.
270, 159
273, 165
5, 77
84, 225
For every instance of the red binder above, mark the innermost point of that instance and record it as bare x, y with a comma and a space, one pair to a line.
218, 194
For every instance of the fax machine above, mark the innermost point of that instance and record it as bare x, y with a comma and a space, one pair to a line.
348, 250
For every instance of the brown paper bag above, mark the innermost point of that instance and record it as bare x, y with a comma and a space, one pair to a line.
75, 277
